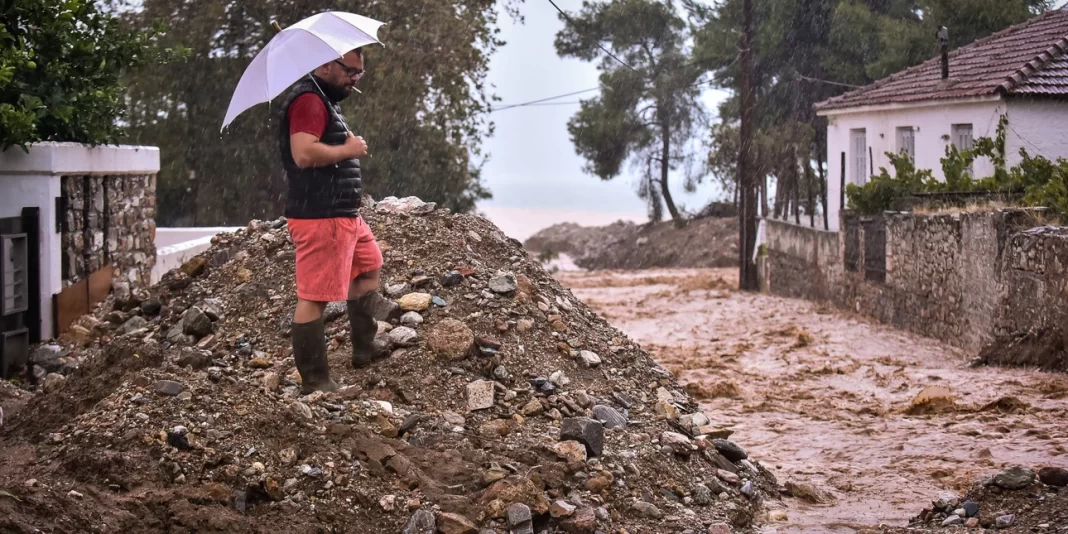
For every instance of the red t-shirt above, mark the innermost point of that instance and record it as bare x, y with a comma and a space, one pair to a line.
307, 114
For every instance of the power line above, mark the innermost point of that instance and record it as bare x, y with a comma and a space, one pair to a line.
817, 80
546, 99
603, 49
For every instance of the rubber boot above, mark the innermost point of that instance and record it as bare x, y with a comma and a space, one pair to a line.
309, 351
363, 328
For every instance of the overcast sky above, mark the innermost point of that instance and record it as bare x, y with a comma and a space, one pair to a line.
533, 171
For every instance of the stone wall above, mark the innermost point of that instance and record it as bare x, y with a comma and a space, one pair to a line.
961, 278
109, 220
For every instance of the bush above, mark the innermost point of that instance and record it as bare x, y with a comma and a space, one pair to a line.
60, 68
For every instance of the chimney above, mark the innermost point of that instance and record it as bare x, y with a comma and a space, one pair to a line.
943, 38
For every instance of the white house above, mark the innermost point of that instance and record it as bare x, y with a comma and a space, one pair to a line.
1021, 73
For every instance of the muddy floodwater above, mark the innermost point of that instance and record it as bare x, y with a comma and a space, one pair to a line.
828, 401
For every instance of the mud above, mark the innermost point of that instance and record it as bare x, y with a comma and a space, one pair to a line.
830, 401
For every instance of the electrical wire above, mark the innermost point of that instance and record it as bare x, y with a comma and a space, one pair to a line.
603, 49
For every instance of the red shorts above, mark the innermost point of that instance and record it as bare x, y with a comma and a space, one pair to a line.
330, 254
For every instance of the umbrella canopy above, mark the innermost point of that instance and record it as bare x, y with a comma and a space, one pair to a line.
298, 50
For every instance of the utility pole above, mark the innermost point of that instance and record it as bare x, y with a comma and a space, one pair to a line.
747, 215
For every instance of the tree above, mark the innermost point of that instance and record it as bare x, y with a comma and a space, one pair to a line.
648, 109
60, 67
423, 109
747, 279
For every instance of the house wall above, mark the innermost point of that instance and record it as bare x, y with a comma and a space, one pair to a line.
960, 278
932, 123
1039, 127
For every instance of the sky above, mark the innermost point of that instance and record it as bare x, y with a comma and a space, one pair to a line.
533, 171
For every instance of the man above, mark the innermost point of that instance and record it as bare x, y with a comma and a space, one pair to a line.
337, 256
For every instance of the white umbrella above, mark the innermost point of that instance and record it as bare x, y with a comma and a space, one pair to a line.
298, 50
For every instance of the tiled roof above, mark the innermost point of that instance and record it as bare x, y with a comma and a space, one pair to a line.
1027, 59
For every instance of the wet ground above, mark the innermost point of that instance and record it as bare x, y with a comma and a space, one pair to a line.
832, 401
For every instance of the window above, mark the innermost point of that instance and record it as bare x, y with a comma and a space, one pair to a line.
906, 141
859, 147
961, 136
13, 274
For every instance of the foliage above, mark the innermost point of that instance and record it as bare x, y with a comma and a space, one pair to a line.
1042, 182
423, 110
647, 114
60, 67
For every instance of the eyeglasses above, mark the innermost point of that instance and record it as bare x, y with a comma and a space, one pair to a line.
351, 72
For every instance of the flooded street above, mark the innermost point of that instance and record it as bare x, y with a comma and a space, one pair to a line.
828, 401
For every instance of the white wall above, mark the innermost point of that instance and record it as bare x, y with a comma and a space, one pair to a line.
32, 179
175, 246
932, 122
1040, 126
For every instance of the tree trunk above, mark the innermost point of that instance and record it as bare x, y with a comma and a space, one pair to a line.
763, 193
811, 204
665, 154
747, 275
823, 182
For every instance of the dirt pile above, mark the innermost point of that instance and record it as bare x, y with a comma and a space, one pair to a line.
704, 242
1015, 500
507, 406
1042, 348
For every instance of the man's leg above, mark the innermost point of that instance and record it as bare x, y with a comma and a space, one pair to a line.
366, 269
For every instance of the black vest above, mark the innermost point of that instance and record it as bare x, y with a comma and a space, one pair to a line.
319, 192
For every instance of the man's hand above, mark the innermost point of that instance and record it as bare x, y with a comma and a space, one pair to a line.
309, 152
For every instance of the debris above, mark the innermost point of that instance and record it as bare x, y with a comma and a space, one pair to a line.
1014, 478
479, 395
585, 431
416, 302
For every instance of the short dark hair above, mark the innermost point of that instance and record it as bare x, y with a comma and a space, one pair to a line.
359, 51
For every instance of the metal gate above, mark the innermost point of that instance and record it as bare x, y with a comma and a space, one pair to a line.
20, 307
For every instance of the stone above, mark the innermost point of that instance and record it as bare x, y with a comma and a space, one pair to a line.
589, 359
1053, 476
524, 324
694, 420
609, 416
151, 307
947, 500
422, 522
309, 471
479, 395
288, 456
75, 494
48, 357
450, 338
438, 301
503, 284
420, 281
191, 357
728, 477
213, 308
1014, 478
415, 302
586, 431
971, 509
647, 509
196, 323
271, 381
559, 379
667, 410
455, 524
495, 428
334, 311
972, 522
680, 444
169, 387
719, 528
532, 407
729, 450
53, 381
519, 516
411, 319
194, 267
397, 290
452, 278
260, 363
599, 483
1005, 521
132, 324
561, 508
702, 495
583, 521
571, 451
403, 336
300, 409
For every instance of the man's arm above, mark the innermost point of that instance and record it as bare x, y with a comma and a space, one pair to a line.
308, 151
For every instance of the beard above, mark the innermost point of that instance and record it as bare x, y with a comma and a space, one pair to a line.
336, 93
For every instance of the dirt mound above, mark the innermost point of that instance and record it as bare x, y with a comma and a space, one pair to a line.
1015, 500
1043, 349
703, 243
183, 410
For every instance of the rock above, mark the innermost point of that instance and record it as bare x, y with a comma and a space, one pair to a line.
559, 379
947, 500
680, 444
403, 336
178, 439
309, 471
450, 338
1053, 476
560, 509
420, 281
667, 410
647, 509
524, 324
729, 450
53, 381
583, 521
747, 488
191, 357
694, 420
132, 324
194, 267
571, 451
452, 278
397, 290
1014, 478
415, 302
260, 363
808, 492
388, 502
213, 308
411, 319
971, 509
503, 285
422, 522
609, 416
48, 358
702, 495
778, 515
728, 477
334, 311
151, 307
589, 359
532, 407
585, 431
719, 528
438, 301
972, 522
301, 410
496, 428
599, 483
517, 489
271, 381
519, 519
455, 524
1005, 521
169, 387
479, 395
196, 323
75, 494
